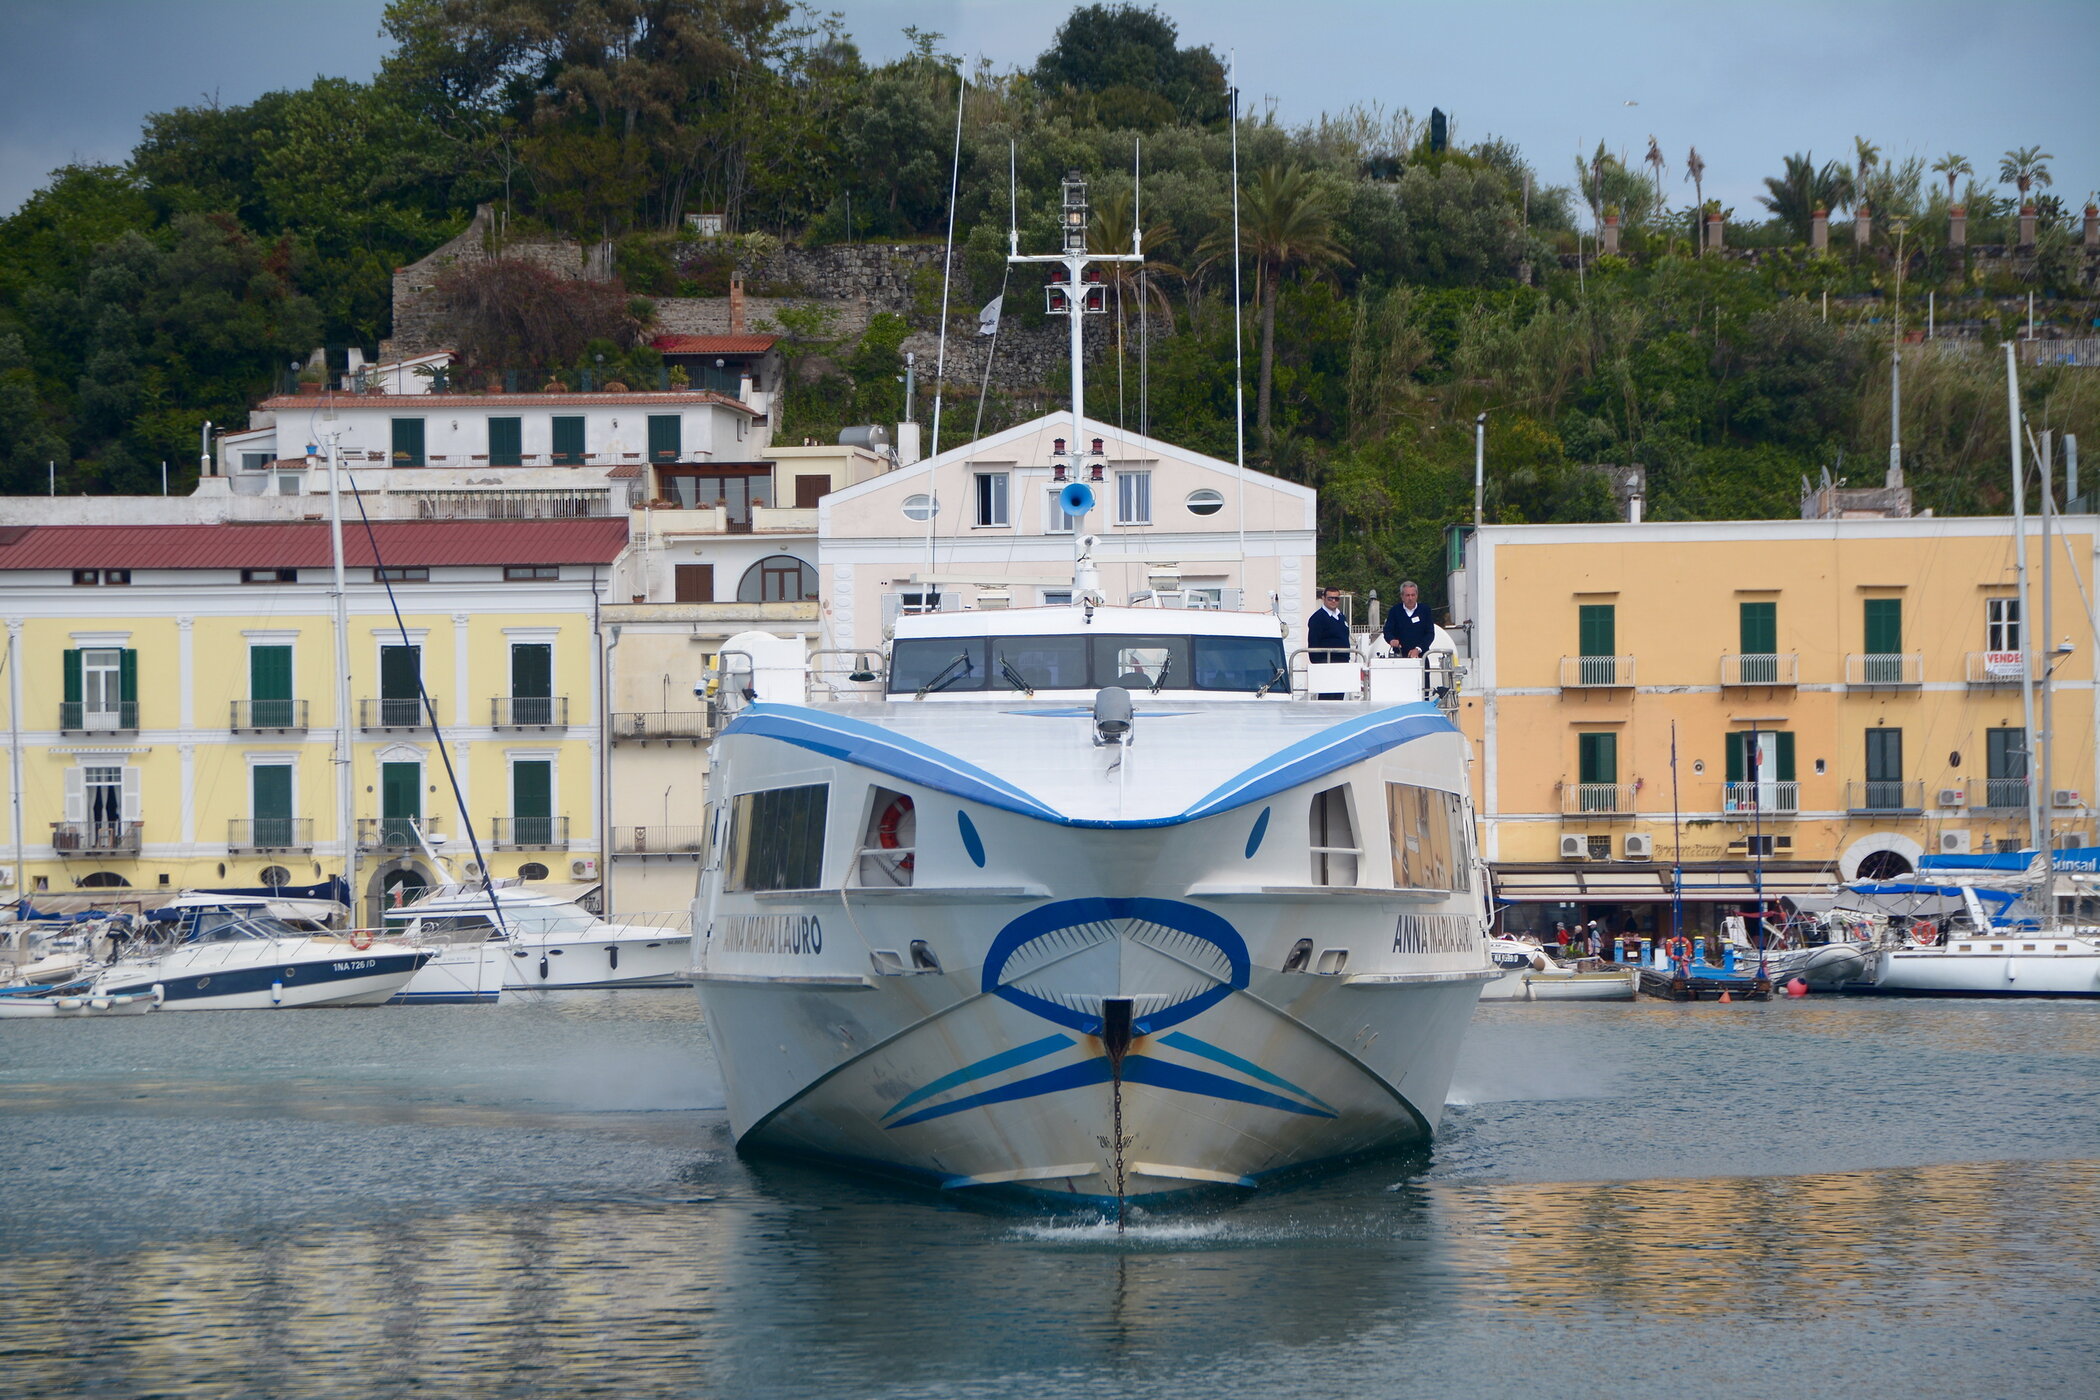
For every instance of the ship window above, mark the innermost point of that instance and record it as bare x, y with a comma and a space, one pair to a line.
928, 660
776, 838
1043, 663
1334, 848
1237, 663
1139, 663
1429, 838
888, 846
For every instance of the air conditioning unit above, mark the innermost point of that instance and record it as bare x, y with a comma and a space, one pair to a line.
1574, 848
1640, 847
7, 877
1950, 797
585, 868
1954, 843
2065, 841
2064, 797
473, 870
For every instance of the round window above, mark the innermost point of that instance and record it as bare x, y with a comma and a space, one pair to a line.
921, 506
532, 870
1205, 502
276, 876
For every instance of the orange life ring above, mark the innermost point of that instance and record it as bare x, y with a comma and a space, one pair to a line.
890, 825
360, 938
1925, 934
1679, 949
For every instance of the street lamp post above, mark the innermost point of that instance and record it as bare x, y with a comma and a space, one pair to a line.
1895, 475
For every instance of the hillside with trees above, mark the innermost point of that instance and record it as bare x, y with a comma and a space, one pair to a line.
1394, 287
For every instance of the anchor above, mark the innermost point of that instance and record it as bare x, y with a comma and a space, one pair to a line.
1116, 1015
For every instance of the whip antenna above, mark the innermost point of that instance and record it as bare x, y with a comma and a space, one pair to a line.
1239, 365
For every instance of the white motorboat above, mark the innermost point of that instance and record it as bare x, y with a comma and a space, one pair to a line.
545, 938
224, 959
1992, 962
1529, 974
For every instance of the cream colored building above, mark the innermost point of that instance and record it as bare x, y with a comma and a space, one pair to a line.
1841, 696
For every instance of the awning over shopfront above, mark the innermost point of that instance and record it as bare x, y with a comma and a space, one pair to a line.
1618, 885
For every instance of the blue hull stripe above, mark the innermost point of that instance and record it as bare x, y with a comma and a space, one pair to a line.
1143, 1069
1182, 1040
241, 981
1079, 1076
869, 746
991, 1064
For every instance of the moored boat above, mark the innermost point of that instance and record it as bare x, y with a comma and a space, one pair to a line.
229, 959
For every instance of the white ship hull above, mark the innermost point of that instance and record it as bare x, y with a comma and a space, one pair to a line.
461, 974
1526, 985
268, 974
2014, 965
619, 955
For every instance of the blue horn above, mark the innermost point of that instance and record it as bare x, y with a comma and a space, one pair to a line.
1076, 498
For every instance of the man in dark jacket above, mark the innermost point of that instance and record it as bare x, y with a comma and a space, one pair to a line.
1408, 629
1327, 634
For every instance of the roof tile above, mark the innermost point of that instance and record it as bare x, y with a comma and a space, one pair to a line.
288, 545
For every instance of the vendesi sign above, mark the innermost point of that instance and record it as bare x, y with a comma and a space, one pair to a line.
2003, 663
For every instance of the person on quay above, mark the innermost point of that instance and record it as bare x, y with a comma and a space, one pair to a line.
1408, 628
1327, 634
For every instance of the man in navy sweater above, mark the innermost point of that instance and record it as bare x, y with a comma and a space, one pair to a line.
1327, 634
1408, 629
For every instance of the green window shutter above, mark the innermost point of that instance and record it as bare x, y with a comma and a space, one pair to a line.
408, 442
1884, 626
71, 665
568, 442
1738, 756
1759, 628
1884, 755
401, 790
666, 440
1599, 629
400, 673
1783, 755
128, 676
271, 787
269, 673
532, 789
1598, 758
506, 442
531, 670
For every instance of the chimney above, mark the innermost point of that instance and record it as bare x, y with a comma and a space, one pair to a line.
2027, 226
1819, 231
736, 306
2092, 228
1958, 227
1608, 235
1716, 232
1862, 226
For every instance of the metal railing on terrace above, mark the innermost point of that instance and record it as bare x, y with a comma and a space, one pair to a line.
1596, 799
1595, 672
1995, 667
77, 717
529, 711
268, 714
659, 840
1997, 794
270, 834
394, 713
642, 726
1761, 668
1885, 795
1884, 670
1761, 799
514, 505
96, 838
393, 833
530, 833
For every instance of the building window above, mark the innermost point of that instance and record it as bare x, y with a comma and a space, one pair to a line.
2001, 625
693, 583
275, 877
735, 489
1334, 848
101, 688
101, 576
255, 461
568, 442
532, 683
408, 442
921, 507
105, 880
1133, 498
270, 687
776, 840
2005, 760
1884, 770
666, 437
532, 802
532, 870
991, 498
1205, 502
409, 575
1884, 626
1597, 636
525, 573
506, 442
1057, 597
778, 578
269, 576
1597, 772
270, 804
400, 685
288, 484
1056, 519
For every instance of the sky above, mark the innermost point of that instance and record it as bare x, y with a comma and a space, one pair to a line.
1747, 83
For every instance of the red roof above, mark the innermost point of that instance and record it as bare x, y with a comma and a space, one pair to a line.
273, 545
715, 344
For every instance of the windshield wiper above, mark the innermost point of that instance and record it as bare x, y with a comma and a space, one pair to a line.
947, 675
1263, 689
1164, 667
1015, 679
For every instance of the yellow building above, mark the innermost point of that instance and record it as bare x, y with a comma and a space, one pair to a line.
171, 702
1811, 699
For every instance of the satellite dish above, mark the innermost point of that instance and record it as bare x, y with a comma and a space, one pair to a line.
1076, 498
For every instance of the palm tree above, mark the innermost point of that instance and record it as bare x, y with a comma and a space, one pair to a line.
1867, 154
2023, 167
1285, 219
1953, 167
1655, 162
1695, 171
1804, 188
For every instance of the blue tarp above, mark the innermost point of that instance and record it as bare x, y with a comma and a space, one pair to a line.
2086, 858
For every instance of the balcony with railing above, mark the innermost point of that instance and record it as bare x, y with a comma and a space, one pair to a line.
1905, 796
392, 833
530, 833
659, 840
1761, 668
96, 838
393, 713
529, 711
1884, 670
1760, 799
1988, 668
248, 835
1997, 794
268, 716
645, 726
1596, 799
1596, 672
78, 717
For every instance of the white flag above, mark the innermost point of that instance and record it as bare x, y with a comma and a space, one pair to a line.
988, 318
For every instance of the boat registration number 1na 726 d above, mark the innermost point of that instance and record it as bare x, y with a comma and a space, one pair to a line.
356, 966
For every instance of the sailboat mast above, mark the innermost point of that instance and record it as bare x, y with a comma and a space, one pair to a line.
2045, 464
2019, 499
345, 772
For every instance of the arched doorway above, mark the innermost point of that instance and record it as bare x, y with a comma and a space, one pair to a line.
1884, 865
778, 578
1880, 855
105, 880
393, 884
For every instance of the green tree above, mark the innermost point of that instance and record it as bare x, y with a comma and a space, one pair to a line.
1286, 220
1127, 59
2025, 166
1804, 187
